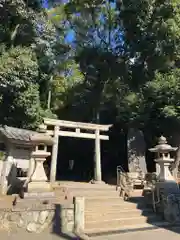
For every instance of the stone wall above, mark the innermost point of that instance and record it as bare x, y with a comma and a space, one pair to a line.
31, 221
38, 218
169, 207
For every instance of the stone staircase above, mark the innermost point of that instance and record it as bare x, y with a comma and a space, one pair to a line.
106, 212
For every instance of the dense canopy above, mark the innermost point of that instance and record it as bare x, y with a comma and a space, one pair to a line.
109, 61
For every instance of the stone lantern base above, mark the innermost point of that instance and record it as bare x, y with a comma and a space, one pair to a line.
39, 187
39, 190
38, 181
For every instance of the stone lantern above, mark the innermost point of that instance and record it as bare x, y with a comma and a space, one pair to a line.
38, 181
163, 159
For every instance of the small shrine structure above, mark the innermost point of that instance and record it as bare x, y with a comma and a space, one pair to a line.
16, 161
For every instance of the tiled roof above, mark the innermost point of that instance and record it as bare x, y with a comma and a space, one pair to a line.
17, 133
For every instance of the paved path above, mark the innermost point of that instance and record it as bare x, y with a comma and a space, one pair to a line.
32, 236
145, 235
164, 234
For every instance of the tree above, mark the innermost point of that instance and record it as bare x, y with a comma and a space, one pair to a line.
19, 89
28, 58
97, 48
151, 38
144, 88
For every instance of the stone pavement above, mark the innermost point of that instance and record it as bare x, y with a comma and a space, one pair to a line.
35, 236
165, 234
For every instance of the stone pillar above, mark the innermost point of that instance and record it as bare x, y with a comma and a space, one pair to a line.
79, 214
54, 155
4, 183
66, 218
7, 165
31, 167
97, 167
158, 169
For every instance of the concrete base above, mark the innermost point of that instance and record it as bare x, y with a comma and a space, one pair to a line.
39, 195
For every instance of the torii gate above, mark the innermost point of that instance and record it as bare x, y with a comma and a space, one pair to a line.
92, 131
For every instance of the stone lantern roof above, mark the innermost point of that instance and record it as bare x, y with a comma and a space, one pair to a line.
162, 146
40, 138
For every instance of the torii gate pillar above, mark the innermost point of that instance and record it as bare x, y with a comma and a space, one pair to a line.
54, 155
97, 164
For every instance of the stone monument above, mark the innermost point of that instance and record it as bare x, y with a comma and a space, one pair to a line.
136, 151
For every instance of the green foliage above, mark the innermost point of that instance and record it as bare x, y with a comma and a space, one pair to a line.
28, 56
151, 38
69, 77
122, 64
164, 94
20, 105
18, 68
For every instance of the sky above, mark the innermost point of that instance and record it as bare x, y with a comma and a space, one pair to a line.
70, 35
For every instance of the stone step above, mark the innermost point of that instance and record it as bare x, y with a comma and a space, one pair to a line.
85, 185
103, 190
126, 228
107, 198
119, 222
117, 208
95, 194
93, 189
101, 198
106, 194
86, 188
113, 204
92, 216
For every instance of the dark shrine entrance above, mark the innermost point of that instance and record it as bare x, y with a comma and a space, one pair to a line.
75, 159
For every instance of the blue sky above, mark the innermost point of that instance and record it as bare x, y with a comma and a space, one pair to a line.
45, 3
